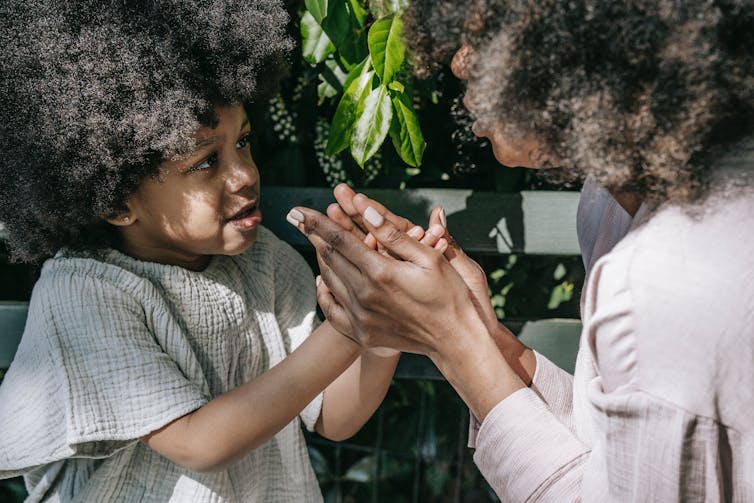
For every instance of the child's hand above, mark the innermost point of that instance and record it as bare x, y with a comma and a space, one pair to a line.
437, 236
344, 214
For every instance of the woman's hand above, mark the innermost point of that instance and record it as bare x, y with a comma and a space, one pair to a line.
417, 304
411, 304
437, 236
346, 214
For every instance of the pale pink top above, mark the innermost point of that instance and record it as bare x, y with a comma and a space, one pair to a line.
661, 405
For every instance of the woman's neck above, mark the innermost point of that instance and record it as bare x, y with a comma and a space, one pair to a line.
629, 201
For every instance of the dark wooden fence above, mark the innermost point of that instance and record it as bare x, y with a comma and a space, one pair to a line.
530, 223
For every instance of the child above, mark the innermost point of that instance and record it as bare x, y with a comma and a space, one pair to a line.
172, 349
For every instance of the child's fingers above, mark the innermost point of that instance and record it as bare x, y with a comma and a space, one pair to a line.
437, 216
416, 232
442, 245
433, 235
337, 215
334, 312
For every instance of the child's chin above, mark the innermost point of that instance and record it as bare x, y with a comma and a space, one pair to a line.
250, 237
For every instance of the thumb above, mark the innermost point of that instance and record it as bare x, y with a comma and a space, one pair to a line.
393, 239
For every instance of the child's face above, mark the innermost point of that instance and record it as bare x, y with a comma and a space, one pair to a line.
202, 205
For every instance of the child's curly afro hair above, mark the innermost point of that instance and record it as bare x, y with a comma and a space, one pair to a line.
95, 93
642, 94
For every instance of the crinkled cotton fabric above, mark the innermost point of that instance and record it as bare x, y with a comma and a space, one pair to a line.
661, 403
115, 348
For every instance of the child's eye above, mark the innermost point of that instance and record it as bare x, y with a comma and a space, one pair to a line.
244, 141
206, 163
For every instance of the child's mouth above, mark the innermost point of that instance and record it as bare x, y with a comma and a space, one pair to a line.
248, 218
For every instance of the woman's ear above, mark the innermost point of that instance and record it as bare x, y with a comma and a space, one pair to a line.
123, 219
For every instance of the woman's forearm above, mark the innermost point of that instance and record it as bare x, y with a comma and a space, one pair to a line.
233, 424
478, 371
519, 357
354, 396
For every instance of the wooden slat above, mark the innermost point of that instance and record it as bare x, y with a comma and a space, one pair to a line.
556, 339
12, 321
533, 222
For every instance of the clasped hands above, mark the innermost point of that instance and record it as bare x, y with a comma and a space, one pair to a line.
385, 282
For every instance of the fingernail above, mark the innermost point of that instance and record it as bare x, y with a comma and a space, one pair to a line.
443, 220
415, 232
372, 216
436, 230
295, 217
318, 279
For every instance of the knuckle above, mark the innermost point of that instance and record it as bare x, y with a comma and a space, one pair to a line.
380, 274
326, 253
393, 235
310, 225
436, 260
334, 238
369, 297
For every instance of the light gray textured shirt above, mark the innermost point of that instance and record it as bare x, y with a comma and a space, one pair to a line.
661, 405
114, 349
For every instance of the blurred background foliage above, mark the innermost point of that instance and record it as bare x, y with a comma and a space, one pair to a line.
414, 449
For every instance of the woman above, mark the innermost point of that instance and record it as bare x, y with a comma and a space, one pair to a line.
653, 102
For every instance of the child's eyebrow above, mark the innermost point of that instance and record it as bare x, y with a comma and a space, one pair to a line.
205, 142
212, 139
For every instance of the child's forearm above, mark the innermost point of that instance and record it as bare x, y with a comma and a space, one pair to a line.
354, 396
233, 424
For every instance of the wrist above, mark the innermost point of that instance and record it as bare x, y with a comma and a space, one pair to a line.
478, 371
381, 352
518, 356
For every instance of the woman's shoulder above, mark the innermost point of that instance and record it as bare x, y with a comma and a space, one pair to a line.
681, 287
714, 240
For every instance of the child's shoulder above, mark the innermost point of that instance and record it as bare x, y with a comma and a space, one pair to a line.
76, 278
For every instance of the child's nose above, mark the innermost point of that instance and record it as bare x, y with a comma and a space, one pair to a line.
243, 174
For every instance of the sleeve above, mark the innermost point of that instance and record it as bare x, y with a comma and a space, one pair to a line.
89, 377
296, 311
640, 447
553, 385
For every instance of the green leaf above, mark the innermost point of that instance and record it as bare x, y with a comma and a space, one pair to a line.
357, 87
396, 86
372, 124
325, 90
561, 293
386, 47
332, 77
315, 44
559, 273
381, 8
337, 23
358, 13
320, 464
317, 8
406, 133
357, 71
363, 470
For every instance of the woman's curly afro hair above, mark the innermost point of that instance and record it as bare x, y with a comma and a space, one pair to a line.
643, 95
95, 93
